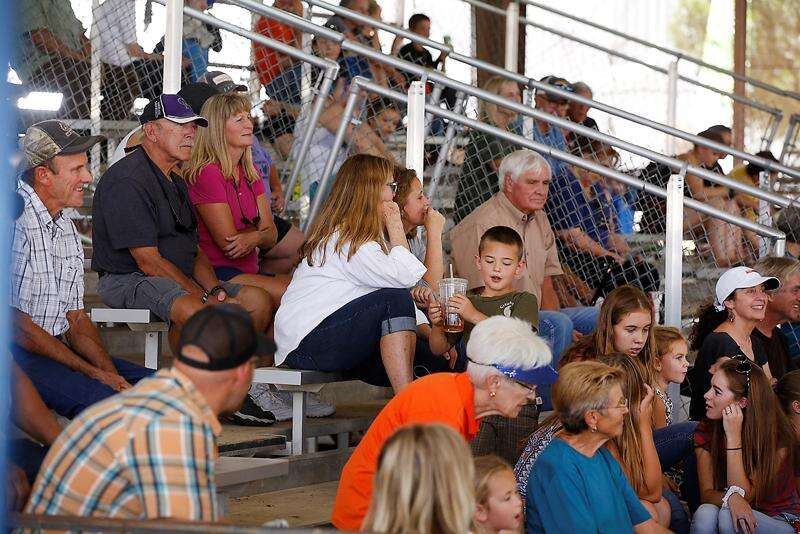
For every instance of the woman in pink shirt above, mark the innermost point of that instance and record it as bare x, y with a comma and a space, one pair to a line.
227, 190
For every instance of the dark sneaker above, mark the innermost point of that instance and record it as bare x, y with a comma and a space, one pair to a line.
251, 415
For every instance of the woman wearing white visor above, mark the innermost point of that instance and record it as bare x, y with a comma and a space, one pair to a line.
725, 328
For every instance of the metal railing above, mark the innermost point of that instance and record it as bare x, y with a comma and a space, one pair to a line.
674, 53
330, 72
573, 97
426, 74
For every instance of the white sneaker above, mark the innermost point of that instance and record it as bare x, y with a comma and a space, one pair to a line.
315, 406
266, 399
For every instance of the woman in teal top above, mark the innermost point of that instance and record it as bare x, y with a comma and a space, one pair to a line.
576, 484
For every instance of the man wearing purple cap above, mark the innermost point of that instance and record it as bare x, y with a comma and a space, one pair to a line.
145, 231
55, 342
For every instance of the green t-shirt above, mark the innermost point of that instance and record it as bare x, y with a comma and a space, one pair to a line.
518, 304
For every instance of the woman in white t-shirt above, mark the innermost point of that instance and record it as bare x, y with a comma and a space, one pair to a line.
348, 307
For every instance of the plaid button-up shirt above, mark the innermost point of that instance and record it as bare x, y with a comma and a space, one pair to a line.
145, 453
46, 265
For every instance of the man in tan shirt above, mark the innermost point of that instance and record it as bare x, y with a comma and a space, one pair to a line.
524, 182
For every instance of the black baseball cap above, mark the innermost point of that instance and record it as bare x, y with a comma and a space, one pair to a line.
173, 108
225, 332
560, 83
222, 82
196, 94
47, 139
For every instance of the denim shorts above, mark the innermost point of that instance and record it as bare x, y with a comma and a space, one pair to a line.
348, 340
138, 291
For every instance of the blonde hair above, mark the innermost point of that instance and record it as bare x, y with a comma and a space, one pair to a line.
492, 85
353, 208
581, 387
663, 337
629, 443
211, 147
485, 468
780, 268
423, 483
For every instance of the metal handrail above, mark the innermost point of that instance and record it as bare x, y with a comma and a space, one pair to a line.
330, 72
669, 51
535, 84
39, 522
528, 22
370, 53
359, 83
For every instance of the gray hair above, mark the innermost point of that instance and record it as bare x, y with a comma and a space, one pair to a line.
582, 87
505, 341
519, 162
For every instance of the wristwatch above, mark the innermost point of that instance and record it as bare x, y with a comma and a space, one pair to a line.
730, 491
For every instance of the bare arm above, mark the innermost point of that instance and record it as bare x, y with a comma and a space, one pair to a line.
49, 43
549, 298
705, 475
578, 239
152, 263
30, 412
652, 466
204, 271
703, 192
434, 255
650, 527
33, 338
84, 339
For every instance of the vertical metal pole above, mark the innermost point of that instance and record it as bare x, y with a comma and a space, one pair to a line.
672, 103
415, 131
512, 35
673, 259
308, 133
780, 248
94, 106
347, 116
764, 213
673, 254
444, 150
173, 37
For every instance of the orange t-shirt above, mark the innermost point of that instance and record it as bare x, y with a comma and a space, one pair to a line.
438, 398
266, 59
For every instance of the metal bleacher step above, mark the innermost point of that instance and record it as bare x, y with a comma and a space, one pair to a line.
231, 471
303, 507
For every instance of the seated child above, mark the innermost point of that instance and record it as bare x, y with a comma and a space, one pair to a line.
498, 506
499, 261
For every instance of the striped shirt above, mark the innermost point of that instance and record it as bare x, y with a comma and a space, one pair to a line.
46, 265
146, 453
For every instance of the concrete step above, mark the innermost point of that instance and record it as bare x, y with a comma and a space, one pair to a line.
304, 507
233, 472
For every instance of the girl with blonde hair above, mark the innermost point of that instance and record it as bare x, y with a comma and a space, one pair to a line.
227, 190
348, 307
423, 483
498, 507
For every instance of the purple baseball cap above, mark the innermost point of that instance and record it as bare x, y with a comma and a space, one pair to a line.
173, 108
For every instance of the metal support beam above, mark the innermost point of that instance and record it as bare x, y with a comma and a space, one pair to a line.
173, 37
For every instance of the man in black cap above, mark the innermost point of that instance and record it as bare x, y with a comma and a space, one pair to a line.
55, 342
145, 242
150, 452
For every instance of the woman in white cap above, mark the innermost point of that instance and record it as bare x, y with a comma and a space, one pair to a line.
724, 329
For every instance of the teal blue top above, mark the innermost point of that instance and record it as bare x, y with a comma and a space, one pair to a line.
570, 492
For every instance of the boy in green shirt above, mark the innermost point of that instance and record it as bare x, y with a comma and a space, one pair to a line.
499, 261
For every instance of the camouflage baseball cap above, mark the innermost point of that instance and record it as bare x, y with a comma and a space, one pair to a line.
48, 139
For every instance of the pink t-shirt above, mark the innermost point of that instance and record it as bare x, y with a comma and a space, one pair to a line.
211, 187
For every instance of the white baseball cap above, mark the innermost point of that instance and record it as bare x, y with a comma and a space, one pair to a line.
740, 278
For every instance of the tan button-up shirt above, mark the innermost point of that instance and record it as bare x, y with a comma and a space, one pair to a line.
540, 255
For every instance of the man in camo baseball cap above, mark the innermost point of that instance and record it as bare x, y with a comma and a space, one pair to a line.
47, 139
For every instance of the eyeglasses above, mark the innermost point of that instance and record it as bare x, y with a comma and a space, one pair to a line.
393, 187
743, 367
245, 220
529, 387
623, 403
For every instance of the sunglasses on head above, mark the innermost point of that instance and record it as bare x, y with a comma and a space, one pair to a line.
743, 366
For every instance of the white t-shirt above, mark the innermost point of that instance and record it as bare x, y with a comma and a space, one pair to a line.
114, 24
119, 152
316, 292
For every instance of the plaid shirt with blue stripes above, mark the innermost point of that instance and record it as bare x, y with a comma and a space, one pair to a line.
145, 453
46, 265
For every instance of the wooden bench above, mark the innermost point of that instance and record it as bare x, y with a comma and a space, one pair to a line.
154, 329
300, 383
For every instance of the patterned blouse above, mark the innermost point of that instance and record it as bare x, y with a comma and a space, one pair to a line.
667, 404
538, 442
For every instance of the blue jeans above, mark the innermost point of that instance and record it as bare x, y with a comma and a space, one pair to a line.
66, 391
556, 328
674, 443
349, 339
709, 519
678, 519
